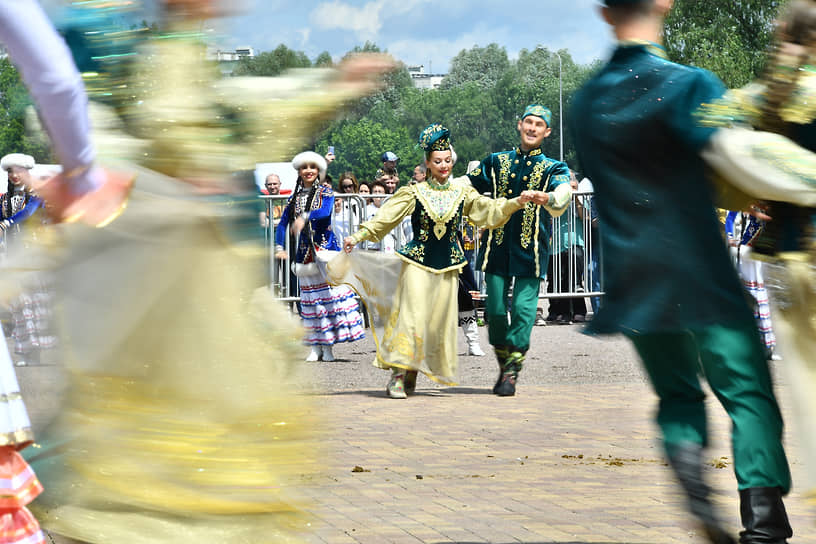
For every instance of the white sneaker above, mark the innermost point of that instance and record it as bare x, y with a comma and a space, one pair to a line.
314, 355
328, 356
475, 350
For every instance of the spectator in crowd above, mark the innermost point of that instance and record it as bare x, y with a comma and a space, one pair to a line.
567, 252
377, 188
364, 188
592, 241
514, 257
31, 309
668, 281
388, 241
272, 186
391, 180
348, 183
346, 210
741, 230
420, 171
330, 314
389, 164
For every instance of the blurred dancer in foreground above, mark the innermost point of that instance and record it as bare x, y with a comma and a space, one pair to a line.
766, 147
47, 70
177, 426
638, 140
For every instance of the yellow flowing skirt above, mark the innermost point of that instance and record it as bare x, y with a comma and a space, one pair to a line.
179, 425
413, 311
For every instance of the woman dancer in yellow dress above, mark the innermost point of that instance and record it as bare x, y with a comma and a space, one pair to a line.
420, 328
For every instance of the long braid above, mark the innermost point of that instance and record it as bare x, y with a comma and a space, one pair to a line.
784, 70
290, 207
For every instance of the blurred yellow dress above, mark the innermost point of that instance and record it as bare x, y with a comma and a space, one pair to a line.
178, 424
780, 169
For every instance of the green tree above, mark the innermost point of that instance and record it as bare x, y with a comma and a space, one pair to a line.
728, 38
14, 100
367, 47
272, 63
482, 65
359, 144
324, 59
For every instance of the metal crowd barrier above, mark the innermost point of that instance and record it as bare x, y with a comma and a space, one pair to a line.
579, 263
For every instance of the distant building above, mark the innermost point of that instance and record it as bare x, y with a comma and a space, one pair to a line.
424, 80
228, 59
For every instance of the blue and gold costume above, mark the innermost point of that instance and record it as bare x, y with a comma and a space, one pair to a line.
521, 248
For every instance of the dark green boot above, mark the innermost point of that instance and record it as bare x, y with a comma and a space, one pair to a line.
502, 353
687, 461
510, 371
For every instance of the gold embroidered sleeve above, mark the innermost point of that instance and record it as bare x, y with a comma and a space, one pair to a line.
399, 205
489, 212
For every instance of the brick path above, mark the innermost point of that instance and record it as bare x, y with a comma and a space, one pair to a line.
566, 464
573, 458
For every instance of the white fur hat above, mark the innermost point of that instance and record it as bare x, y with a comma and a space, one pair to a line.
17, 159
310, 157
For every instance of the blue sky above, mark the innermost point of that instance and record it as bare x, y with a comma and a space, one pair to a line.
428, 32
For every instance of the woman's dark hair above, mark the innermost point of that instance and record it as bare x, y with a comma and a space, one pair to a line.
290, 208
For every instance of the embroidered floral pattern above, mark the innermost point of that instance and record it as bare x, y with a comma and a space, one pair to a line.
504, 175
440, 204
456, 254
528, 222
416, 252
501, 190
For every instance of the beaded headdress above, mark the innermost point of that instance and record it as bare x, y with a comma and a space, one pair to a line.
435, 137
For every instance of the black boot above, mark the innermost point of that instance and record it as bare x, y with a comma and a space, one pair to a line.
501, 356
763, 516
510, 371
687, 462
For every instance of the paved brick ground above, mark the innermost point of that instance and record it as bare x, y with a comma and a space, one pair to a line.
573, 458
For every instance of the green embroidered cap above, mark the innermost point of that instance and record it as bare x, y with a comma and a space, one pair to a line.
539, 111
435, 137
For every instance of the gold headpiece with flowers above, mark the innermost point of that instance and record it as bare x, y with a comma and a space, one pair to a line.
435, 137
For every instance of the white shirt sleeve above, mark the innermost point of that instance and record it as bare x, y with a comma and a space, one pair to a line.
48, 70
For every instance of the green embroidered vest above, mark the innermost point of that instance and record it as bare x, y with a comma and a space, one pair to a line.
435, 221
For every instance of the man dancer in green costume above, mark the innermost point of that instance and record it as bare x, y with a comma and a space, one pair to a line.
669, 284
514, 257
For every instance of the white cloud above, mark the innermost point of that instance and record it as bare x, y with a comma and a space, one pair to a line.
441, 51
365, 20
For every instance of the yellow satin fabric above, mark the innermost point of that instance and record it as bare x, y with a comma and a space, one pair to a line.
179, 424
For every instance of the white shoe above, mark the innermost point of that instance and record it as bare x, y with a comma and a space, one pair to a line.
314, 355
472, 337
328, 356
